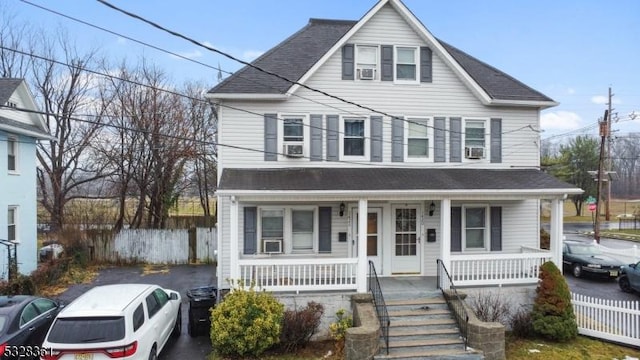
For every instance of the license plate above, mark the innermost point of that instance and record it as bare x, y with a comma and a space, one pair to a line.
85, 356
613, 273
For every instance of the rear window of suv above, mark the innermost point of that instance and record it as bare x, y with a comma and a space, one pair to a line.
83, 330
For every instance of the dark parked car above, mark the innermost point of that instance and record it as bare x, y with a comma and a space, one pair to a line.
24, 320
586, 259
629, 279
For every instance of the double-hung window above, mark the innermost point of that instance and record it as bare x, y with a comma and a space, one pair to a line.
367, 62
293, 130
475, 228
418, 131
406, 63
475, 139
12, 154
354, 137
272, 224
12, 219
302, 229
288, 230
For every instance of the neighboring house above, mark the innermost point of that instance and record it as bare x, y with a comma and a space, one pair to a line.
19, 131
436, 157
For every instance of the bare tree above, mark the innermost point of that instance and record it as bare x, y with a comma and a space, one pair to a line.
626, 162
65, 93
14, 35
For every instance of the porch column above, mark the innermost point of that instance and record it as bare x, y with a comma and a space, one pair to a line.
555, 230
234, 273
362, 246
445, 233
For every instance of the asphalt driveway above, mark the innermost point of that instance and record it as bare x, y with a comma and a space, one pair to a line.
180, 278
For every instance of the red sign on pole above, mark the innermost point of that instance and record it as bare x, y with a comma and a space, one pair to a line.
592, 207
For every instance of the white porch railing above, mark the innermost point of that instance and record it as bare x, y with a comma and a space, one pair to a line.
612, 320
300, 274
497, 269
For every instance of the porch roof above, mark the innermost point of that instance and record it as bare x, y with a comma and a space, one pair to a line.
388, 179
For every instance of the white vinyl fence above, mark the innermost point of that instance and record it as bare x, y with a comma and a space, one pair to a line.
612, 320
161, 246
628, 256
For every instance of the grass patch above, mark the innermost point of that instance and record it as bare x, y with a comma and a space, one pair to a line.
149, 269
75, 275
581, 348
314, 350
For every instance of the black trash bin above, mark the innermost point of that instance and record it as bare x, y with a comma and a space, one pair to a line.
201, 300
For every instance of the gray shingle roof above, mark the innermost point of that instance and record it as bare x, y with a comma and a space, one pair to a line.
7, 87
376, 179
293, 57
23, 126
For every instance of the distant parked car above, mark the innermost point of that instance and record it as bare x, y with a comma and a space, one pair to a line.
586, 259
629, 279
24, 322
132, 321
51, 251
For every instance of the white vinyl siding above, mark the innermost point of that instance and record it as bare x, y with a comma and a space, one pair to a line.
447, 97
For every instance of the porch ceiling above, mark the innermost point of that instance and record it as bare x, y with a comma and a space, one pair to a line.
441, 182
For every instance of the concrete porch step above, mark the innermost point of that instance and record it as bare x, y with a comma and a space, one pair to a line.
418, 312
404, 332
417, 302
425, 342
427, 322
442, 354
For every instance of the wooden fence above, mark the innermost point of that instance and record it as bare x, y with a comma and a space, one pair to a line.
173, 246
612, 320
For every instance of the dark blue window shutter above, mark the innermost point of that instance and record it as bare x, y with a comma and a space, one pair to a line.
348, 62
376, 138
496, 228
333, 130
455, 139
425, 65
456, 228
387, 62
270, 137
250, 230
439, 146
316, 138
397, 139
496, 140
324, 228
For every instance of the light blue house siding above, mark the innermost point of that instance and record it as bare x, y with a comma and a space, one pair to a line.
18, 190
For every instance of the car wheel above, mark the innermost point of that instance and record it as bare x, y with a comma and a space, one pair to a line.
623, 282
577, 270
153, 355
177, 328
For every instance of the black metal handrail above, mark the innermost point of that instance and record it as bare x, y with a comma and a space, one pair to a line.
381, 306
460, 311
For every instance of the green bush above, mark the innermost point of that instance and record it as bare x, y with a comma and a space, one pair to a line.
247, 322
552, 316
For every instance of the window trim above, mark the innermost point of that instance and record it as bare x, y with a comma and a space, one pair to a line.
366, 136
487, 227
416, 58
287, 230
306, 136
376, 67
487, 138
430, 139
16, 221
14, 144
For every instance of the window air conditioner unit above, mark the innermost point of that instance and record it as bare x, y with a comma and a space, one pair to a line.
366, 74
474, 152
293, 150
272, 246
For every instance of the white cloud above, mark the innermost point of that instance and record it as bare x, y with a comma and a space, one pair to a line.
571, 91
121, 41
603, 100
249, 55
560, 120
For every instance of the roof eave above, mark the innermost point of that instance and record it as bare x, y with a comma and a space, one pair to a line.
245, 96
25, 132
524, 103
431, 193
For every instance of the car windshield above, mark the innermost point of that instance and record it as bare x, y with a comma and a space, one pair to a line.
3, 322
585, 250
87, 330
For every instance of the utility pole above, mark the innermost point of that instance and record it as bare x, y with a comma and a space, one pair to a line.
608, 201
604, 126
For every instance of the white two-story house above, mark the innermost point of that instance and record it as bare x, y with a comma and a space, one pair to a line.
373, 140
19, 131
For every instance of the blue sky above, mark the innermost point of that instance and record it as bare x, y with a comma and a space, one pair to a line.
571, 51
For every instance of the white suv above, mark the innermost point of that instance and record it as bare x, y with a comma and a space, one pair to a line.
124, 321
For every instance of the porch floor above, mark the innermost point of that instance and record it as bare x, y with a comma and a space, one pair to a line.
399, 287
